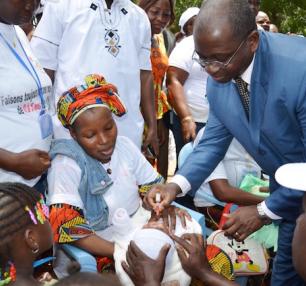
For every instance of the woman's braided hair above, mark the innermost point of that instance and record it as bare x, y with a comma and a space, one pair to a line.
14, 197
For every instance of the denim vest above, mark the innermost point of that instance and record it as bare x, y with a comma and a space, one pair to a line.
94, 181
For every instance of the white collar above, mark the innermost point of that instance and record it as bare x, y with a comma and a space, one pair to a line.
247, 74
115, 2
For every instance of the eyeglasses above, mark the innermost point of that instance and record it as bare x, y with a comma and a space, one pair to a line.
217, 64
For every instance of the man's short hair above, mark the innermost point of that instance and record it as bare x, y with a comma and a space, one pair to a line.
236, 13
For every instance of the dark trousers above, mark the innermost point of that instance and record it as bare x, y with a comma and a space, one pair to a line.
42, 185
284, 273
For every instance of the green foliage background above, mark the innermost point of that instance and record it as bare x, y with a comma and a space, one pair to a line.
289, 16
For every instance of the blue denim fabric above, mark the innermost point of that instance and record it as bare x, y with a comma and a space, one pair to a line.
284, 273
94, 181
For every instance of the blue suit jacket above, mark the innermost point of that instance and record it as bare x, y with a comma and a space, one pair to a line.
275, 133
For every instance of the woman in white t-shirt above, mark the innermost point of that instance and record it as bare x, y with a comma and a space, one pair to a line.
25, 92
186, 83
96, 172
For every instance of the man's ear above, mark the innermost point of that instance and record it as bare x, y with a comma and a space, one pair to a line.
31, 239
254, 41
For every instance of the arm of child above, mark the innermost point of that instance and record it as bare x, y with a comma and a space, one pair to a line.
96, 245
224, 192
69, 226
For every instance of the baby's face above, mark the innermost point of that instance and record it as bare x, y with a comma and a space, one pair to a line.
156, 223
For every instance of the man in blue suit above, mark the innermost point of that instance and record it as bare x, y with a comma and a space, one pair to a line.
257, 94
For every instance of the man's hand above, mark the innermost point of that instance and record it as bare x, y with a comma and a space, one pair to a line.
194, 262
31, 163
188, 129
243, 222
167, 194
142, 269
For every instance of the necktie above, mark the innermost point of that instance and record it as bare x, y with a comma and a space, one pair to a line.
244, 94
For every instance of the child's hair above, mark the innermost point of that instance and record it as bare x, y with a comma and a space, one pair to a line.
89, 279
14, 198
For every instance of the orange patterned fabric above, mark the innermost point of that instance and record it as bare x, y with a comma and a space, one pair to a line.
94, 92
219, 261
159, 61
68, 223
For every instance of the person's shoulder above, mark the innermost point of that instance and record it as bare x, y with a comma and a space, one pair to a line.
126, 144
188, 40
70, 6
21, 35
186, 43
291, 46
182, 51
135, 9
137, 18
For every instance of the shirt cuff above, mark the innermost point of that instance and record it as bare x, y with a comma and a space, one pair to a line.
268, 213
183, 183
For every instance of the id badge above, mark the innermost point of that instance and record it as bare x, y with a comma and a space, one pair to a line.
46, 125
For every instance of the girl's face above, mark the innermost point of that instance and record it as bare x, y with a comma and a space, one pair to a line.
159, 15
17, 11
45, 236
96, 132
188, 27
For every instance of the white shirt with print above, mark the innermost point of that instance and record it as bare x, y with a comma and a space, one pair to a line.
20, 103
81, 37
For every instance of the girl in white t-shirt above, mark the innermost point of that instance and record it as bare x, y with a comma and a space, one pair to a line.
25, 99
96, 172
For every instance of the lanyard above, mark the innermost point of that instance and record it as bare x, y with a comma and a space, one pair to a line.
32, 72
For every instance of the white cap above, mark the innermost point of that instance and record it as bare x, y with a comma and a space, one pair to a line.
187, 15
292, 176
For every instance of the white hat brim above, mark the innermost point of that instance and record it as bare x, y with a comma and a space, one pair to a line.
292, 176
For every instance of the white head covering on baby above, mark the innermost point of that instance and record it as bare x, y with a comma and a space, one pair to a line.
187, 15
143, 236
150, 241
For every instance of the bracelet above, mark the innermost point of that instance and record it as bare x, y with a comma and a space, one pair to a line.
187, 118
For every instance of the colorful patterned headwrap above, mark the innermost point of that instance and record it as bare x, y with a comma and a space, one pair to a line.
95, 92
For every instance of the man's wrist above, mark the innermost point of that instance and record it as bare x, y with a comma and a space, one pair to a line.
152, 126
175, 188
182, 182
262, 215
206, 276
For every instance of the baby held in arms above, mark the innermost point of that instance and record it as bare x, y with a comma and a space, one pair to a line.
150, 235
